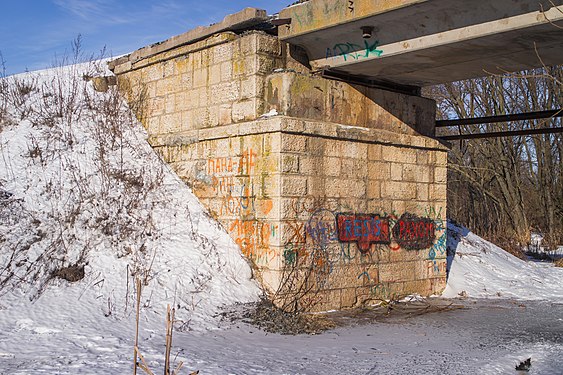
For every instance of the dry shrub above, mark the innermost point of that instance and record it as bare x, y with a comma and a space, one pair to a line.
510, 245
559, 262
272, 319
104, 200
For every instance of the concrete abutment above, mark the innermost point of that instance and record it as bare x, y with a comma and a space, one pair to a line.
335, 193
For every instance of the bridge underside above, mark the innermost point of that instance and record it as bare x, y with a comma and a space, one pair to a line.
420, 43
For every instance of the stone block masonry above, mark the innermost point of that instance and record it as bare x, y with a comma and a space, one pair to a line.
335, 193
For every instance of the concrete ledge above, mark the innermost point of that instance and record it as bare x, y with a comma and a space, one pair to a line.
290, 125
215, 40
241, 20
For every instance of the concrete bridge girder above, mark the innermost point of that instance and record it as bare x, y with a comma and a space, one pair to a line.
426, 42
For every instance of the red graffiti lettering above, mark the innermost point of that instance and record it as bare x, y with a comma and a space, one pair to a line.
363, 229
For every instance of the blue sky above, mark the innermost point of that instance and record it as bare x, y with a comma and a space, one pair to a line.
34, 34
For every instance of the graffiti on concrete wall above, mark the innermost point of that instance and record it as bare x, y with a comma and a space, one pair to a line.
438, 249
328, 245
228, 166
363, 229
231, 181
409, 232
241, 202
352, 51
253, 237
412, 232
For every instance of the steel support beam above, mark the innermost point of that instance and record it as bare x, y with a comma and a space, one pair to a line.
501, 134
501, 118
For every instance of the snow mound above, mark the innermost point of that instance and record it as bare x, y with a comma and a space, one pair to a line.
87, 207
480, 269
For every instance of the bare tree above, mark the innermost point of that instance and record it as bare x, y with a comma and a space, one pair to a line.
504, 187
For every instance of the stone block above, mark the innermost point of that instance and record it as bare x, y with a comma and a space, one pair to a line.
166, 86
399, 155
422, 157
251, 86
226, 71
293, 232
293, 143
398, 271
373, 189
271, 279
441, 158
399, 206
170, 103
154, 72
271, 186
290, 163
422, 287
422, 192
244, 110
355, 150
398, 190
331, 166
416, 173
375, 152
272, 143
222, 53
268, 44
213, 115
247, 44
200, 117
225, 111
333, 148
438, 192
168, 69
379, 170
225, 92
195, 98
440, 175
396, 172
348, 298
180, 102
293, 186
214, 74
156, 106
354, 168
427, 269
201, 78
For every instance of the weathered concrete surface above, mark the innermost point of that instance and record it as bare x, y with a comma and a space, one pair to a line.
232, 22
335, 193
426, 42
334, 101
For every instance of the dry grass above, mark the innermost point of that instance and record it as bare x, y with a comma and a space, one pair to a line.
559, 262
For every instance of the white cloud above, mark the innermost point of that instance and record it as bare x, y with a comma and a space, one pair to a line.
83, 8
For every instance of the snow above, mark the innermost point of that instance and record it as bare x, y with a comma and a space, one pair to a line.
129, 214
270, 113
123, 215
480, 269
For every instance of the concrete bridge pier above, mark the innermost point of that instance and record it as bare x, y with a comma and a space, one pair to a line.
335, 193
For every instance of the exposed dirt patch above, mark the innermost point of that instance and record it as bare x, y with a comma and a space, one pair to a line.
72, 273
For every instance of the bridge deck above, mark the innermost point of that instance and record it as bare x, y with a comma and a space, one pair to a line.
425, 42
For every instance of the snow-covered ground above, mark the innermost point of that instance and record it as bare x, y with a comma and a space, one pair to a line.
77, 188
480, 269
